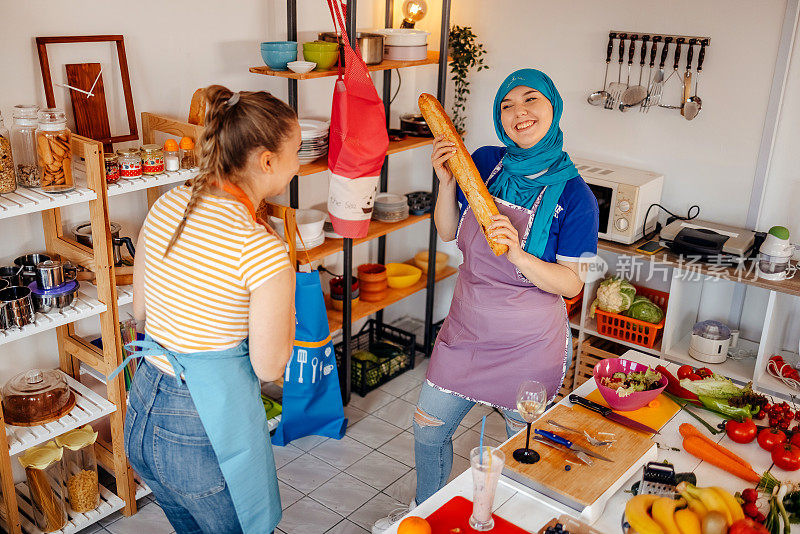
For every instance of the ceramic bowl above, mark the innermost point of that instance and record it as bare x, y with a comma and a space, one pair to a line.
279, 45
421, 260
278, 59
301, 67
634, 401
323, 54
402, 275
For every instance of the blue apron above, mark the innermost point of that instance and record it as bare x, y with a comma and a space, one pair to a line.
227, 395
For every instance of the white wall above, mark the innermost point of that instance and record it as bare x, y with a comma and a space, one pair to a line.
175, 47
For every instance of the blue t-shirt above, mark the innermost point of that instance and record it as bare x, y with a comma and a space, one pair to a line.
576, 219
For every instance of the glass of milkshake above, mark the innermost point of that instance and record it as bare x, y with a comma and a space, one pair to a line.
487, 464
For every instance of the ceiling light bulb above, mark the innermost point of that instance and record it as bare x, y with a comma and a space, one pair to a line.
413, 11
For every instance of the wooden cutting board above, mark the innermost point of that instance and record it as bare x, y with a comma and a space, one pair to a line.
654, 417
583, 484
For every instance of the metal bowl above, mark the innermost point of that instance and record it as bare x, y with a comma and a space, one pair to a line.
415, 124
46, 301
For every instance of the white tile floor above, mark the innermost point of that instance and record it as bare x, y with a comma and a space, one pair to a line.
343, 486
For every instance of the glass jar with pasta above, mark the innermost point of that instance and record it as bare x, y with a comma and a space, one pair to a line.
45, 476
54, 152
80, 468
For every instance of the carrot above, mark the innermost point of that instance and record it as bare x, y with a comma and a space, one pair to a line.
688, 429
699, 448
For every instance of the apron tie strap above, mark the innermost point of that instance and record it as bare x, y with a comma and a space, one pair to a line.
148, 348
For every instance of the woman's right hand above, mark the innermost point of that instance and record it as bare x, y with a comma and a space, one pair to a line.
443, 150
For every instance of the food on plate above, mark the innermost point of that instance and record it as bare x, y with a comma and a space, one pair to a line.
614, 295
627, 383
786, 456
462, 167
741, 432
414, 525
769, 438
644, 309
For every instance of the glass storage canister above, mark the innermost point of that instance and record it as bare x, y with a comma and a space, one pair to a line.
172, 156
152, 159
23, 143
112, 167
45, 476
8, 180
80, 468
188, 159
53, 149
130, 163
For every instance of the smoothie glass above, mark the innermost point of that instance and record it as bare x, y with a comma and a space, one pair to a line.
487, 464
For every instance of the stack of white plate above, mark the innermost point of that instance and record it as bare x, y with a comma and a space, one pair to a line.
390, 208
314, 140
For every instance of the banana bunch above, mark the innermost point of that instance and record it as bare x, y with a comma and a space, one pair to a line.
698, 511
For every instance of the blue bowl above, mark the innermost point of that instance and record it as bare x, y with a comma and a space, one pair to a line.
278, 59
279, 45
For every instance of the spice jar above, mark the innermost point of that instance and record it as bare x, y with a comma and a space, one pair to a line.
46, 484
130, 163
80, 468
172, 157
152, 159
23, 143
112, 167
188, 159
8, 180
54, 152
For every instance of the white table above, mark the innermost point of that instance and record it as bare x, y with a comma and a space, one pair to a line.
530, 510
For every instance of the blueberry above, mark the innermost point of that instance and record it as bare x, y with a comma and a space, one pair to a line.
567, 467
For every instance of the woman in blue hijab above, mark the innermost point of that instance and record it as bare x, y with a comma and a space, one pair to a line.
507, 321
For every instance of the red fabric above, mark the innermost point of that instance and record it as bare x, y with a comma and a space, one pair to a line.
455, 514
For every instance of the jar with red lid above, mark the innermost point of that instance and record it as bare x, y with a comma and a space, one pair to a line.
111, 162
130, 163
152, 159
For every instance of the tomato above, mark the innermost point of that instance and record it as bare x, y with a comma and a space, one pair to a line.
743, 432
747, 526
705, 372
769, 438
684, 371
783, 425
694, 377
795, 439
761, 415
786, 456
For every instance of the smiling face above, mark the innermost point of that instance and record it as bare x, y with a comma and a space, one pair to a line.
526, 115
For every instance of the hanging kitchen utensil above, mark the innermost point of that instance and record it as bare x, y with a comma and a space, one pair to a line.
598, 98
678, 42
634, 96
653, 52
695, 103
687, 83
631, 52
658, 79
615, 88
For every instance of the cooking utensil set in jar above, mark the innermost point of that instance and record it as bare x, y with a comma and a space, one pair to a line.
660, 88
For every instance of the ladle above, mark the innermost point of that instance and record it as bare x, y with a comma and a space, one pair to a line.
694, 103
598, 98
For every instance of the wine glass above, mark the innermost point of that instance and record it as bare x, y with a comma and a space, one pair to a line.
531, 402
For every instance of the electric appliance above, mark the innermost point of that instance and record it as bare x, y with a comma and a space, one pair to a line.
623, 196
710, 342
708, 241
774, 255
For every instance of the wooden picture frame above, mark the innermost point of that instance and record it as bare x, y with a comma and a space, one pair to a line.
47, 80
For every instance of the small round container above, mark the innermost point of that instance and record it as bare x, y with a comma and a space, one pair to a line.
16, 308
80, 468
301, 67
130, 163
54, 299
372, 272
23, 141
54, 151
402, 275
188, 157
634, 401
152, 159
28, 265
52, 274
172, 155
337, 286
36, 397
111, 162
8, 178
45, 475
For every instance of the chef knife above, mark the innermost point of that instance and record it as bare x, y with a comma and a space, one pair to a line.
568, 444
608, 413
579, 455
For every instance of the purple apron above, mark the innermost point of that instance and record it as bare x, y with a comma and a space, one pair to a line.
501, 328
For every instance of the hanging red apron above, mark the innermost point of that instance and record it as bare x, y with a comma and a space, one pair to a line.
501, 328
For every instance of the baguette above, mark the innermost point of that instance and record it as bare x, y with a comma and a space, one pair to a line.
197, 109
463, 168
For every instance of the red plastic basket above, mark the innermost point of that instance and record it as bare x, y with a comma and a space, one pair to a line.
633, 330
574, 304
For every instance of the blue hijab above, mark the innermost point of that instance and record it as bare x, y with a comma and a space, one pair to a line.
512, 183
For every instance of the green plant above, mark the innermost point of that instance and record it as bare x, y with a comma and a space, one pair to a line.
466, 53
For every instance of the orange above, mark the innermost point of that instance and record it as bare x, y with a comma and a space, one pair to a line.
414, 525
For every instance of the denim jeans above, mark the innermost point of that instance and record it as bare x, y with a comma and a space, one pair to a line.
440, 414
168, 447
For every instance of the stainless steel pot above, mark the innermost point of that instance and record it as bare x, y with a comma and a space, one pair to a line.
11, 274
16, 307
28, 265
42, 302
53, 273
83, 235
370, 44
415, 124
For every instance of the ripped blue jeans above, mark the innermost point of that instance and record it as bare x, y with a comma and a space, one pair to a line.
438, 415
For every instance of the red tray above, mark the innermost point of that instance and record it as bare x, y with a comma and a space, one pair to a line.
455, 514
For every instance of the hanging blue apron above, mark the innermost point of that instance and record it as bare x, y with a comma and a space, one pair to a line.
227, 395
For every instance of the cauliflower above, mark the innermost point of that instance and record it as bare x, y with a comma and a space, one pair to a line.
614, 295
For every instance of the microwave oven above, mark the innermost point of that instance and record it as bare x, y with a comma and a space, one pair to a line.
623, 196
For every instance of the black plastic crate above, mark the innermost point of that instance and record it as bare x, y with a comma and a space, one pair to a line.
368, 375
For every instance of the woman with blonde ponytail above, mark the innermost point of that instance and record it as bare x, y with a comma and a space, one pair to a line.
216, 289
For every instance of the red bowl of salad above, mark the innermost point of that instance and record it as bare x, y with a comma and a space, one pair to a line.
627, 385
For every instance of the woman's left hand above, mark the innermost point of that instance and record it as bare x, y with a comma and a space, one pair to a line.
502, 231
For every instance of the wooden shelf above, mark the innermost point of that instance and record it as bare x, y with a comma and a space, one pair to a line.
321, 164
376, 229
432, 59
363, 309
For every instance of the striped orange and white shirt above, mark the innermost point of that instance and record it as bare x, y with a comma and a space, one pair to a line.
197, 298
